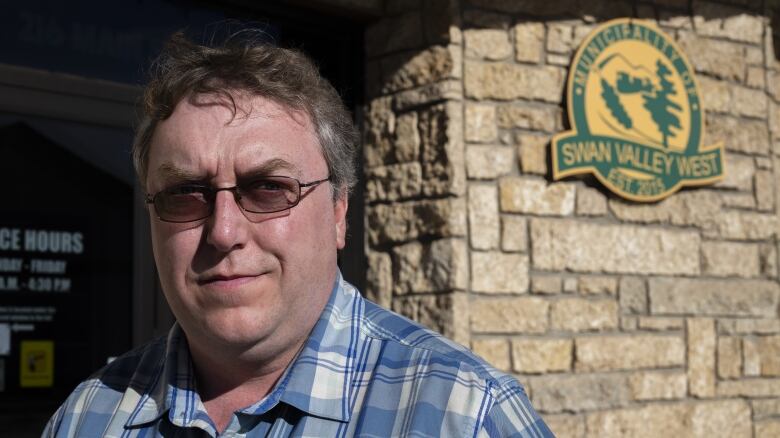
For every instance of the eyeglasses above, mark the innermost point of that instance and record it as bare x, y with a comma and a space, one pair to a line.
192, 202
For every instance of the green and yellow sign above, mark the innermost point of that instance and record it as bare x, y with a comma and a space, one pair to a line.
635, 114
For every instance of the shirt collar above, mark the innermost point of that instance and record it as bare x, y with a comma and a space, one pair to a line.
318, 382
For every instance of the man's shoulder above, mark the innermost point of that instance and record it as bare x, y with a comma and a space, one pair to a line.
409, 339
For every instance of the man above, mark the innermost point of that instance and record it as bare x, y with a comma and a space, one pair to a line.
246, 155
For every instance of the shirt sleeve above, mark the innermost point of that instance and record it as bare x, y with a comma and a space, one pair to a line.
513, 416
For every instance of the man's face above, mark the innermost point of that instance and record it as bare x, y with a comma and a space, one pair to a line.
232, 283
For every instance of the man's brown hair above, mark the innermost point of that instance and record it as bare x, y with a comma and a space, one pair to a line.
244, 64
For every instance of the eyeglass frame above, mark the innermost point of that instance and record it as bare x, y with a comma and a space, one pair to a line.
211, 196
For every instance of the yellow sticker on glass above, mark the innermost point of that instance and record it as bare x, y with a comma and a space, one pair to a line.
36, 367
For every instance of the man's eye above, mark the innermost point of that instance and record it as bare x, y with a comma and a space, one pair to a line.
266, 184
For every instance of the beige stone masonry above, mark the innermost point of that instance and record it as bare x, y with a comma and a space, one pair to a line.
534, 117
532, 152
660, 324
535, 196
489, 44
609, 353
707, 55
679, 296
489, 162
495, 351
514, 233
597, 284
766, 387
744, 326
509, 81
497, 272
484, 226
394, 182
406, 221
546, 285
578, 392
706, 419
480, 123
726, 259
701, 357
510, 315
441, 265
557, 245
729, 357
590, 202
658, 385
582, 315
529, 38
541, 355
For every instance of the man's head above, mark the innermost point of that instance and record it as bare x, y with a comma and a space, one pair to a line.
241, 276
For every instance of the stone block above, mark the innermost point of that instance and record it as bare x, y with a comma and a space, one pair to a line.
557, 59
481, 123
532, 151
514, 233
580, 315
394, 33
413, 69
566, 426
707, 55
727, 259
749, 102
489, 162
740, 170
578, 392
701, 357
442, 151
561, 244
715, 95
532, 117
744, 225
598, 284
769, 355
590, 202
716, 20
541, 355
570, 285
489, 44
756, 77
765, 387
698, 208
687, 296
484, 228
447, 314
546, 285
513, 81
529, 39
379, 278
686, 420
751, 358
765, 190
497, 272
739, 200
560, 38
394, 182
510, 315
427, 94
438, 266
659, 324
633, 295
535, 196
629, 323
766, 408
729, 357
767, 254
609, 353
658, 385
406, 221
738, 135
767, 429
494, 351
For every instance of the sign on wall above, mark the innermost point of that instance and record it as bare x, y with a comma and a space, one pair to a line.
635, 114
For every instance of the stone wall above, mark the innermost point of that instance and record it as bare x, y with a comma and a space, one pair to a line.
621, 319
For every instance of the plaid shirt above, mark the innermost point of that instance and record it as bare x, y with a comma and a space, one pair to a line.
364, 371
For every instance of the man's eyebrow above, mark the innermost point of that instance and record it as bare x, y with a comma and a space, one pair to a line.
170, 171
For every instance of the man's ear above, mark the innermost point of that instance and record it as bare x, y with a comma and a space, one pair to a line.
340, 206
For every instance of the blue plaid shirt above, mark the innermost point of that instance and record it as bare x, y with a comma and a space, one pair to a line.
364, 371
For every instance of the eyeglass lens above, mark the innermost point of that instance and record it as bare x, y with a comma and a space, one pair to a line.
261, 195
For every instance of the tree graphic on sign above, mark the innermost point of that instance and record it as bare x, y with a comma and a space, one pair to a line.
660, 106
656, 99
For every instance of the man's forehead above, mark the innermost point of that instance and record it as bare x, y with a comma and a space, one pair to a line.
170, 170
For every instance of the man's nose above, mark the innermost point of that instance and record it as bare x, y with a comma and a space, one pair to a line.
227, 227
